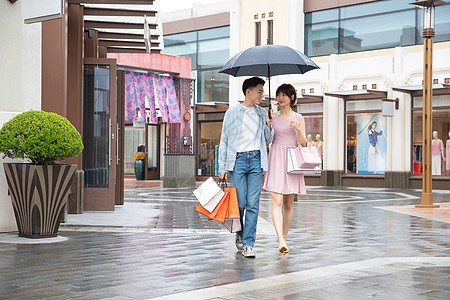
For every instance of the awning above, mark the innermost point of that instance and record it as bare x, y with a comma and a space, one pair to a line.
119, 24
417, 90
309, 99
358, 94
211, 107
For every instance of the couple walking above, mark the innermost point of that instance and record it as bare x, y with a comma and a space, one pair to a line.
246, 131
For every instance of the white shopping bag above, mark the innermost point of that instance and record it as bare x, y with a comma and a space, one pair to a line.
209, 194
292, 165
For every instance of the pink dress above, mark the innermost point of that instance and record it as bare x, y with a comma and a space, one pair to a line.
276, 179
447, 157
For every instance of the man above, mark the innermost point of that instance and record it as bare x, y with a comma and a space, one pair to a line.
243, 154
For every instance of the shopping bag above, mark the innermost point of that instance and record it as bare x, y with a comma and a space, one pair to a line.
292, 166
226, 211
219, 212
232, 217
209, 194
307, 157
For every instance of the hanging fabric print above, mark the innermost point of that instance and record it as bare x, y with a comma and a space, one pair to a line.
160, 95
139, 86
130, 97
172, 101
150, 92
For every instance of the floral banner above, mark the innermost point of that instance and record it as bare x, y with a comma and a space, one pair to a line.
139, 86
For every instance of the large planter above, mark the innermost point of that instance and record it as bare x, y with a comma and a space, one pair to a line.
38, 194
139, 169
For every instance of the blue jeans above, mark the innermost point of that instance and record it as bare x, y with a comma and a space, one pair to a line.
247, 178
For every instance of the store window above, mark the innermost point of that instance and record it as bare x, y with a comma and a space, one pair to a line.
210, 130
313, 115
366, 138
369, 26
440, 152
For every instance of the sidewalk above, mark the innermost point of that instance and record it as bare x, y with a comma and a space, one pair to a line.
344, 244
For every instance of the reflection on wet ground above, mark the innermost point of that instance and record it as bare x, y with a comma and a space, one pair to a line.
344, 244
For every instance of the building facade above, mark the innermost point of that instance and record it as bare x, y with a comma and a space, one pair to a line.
369, 52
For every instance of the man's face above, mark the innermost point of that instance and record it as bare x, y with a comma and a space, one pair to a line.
255, 94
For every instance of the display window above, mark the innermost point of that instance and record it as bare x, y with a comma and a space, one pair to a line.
209, 132
366, 143
313, 115
440, 145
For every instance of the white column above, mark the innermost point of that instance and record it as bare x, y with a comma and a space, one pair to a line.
401, 148
295, 24
234, 87
333, 113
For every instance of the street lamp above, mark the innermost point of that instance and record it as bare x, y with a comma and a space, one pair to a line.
428, 32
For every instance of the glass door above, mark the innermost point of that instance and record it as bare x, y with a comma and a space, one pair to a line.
99, 134
152, 151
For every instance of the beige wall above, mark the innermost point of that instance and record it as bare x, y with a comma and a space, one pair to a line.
314, 5
20, 83
250, 8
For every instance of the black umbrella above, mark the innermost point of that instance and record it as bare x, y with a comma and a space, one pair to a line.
267, 61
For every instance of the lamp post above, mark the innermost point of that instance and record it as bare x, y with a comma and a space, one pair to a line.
428, 32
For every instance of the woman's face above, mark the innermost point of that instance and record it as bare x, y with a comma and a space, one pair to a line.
374, 125
283, 100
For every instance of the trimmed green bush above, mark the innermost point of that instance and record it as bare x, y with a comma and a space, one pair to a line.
43, 137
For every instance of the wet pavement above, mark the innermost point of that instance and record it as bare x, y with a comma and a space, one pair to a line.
344, 244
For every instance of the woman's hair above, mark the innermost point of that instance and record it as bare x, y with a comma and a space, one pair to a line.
288, 90
370, 127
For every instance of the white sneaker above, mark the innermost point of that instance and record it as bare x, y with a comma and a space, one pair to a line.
248, 252
238, 242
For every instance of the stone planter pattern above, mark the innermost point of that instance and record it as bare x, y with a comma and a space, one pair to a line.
39, 194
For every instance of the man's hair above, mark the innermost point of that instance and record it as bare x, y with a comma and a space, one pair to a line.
251, 83
289, 91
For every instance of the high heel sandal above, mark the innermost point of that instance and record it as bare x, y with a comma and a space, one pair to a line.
282, 249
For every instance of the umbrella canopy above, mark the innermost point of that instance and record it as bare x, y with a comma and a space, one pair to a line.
268, 60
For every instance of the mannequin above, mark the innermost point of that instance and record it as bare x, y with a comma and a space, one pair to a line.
319, 145
310, 140
447, 156
437, 153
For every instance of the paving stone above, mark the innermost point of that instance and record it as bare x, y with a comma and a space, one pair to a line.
157, 245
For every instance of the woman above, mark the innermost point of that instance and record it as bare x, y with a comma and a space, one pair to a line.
289, 131
375, 158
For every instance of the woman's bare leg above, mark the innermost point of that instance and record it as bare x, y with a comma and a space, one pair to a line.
277, 217
288, 211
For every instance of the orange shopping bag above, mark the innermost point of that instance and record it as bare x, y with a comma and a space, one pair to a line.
232, 218
219, 212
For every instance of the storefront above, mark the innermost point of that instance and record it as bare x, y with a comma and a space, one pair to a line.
441, 134
209, 120
365, 138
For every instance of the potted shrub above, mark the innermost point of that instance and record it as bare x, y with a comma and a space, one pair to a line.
139, 165
39, 189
